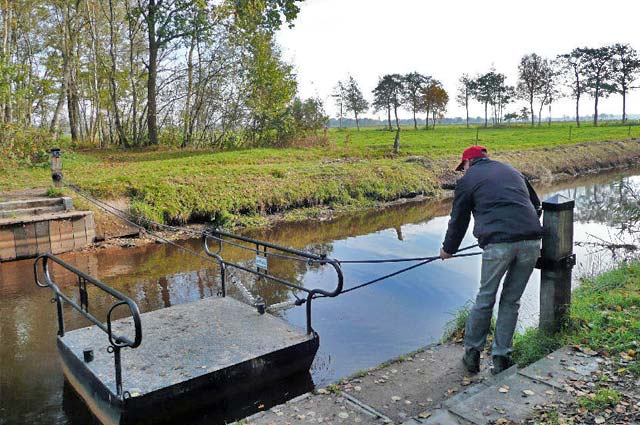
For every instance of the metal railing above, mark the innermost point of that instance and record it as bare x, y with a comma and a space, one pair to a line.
117, 341
265, 250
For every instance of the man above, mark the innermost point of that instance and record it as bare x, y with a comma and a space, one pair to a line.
506, 212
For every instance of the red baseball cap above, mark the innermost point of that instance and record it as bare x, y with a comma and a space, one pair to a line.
471, 153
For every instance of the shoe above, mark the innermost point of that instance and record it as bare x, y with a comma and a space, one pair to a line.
471, 360
501, 363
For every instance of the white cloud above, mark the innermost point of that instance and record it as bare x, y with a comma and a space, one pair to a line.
368, 38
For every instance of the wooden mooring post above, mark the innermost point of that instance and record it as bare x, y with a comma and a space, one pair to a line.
56, 166
556, 262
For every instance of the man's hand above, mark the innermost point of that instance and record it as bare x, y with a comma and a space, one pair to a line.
444, 254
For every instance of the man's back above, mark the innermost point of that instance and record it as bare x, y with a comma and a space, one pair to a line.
502, 204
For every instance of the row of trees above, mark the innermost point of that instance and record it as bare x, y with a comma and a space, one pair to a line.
414, 91
598, 72
133, 72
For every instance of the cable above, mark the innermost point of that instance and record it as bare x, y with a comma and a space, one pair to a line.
397, 260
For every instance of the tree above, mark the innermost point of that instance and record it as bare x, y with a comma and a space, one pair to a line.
439, 105
339, 95
354, 101
550, 91
574, 63
598, 72
531, 73
435, 100
413, 87
626, 67
490, 89
465, 92
388, 95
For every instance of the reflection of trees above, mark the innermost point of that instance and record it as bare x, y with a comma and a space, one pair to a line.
599, 202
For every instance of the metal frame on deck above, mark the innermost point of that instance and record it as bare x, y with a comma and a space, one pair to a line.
117, 341
261, 249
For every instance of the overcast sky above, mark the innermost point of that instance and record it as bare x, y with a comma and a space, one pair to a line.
368, 38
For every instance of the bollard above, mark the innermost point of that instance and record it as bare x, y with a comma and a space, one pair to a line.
56, 166
555, 263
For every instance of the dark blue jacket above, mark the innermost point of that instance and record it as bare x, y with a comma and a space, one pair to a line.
504, 205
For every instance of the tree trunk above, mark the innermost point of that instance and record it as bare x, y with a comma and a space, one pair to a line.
466, 105
122, 136
389, 116
624, 106
395, 110
540, 114
357, 123
577, 99
531, 110
486, 117
152, 66
186, 137
396, 141
53, 128
415, 122
595, 105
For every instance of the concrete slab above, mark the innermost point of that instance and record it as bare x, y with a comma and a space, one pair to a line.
442, 417
510, 402
319, 408
416, 383
44, 217
560, 366
212, 343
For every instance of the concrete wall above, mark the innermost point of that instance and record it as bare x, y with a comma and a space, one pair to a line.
28, 237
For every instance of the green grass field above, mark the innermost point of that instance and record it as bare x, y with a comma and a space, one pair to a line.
353, 168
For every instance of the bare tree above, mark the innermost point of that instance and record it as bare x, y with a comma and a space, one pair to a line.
465, 92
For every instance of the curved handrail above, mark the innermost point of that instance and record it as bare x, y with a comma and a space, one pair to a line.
115, 340
312, 258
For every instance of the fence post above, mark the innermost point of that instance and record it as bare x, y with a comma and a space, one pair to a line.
56, 166
555, 263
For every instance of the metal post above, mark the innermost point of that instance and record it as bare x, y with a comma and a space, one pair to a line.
556, 262
56, 166
118, 366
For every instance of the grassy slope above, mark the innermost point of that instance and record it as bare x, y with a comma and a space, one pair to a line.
180, 186
605, 317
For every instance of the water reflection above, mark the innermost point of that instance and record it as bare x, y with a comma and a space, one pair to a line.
358, 330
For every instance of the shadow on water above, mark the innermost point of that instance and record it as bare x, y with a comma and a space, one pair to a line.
358, 330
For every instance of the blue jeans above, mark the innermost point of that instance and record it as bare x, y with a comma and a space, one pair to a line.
517, 260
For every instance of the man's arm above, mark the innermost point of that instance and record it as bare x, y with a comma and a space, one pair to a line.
459, 221
534, 198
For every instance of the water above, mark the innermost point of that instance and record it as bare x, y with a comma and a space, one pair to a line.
357, 330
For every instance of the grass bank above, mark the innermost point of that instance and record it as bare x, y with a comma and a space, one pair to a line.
605, 319
353, 170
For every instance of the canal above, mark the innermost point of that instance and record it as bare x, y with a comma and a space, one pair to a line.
357, 330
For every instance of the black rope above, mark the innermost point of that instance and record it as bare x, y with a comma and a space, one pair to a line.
427, 260
397, 260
